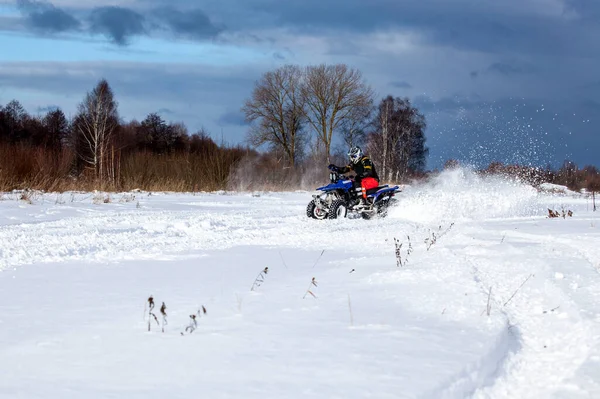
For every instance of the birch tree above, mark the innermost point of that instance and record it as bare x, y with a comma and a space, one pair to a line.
95, 123
398, 140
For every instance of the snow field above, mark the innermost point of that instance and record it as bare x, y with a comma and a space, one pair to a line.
75, 277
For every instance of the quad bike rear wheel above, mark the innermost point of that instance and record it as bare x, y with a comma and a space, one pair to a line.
338, 209
380, 210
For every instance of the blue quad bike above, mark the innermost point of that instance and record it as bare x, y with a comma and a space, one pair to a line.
335, 201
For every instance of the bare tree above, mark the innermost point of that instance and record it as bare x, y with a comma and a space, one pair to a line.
354, 128
96, 121
398, 140
332, 94
276, 111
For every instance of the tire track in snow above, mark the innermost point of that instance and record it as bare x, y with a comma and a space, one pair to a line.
554, 345
491, 366
106, 237
485, 371
582, 286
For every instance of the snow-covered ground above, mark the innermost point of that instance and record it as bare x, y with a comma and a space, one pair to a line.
75, 277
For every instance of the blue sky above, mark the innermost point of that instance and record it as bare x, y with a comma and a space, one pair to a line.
510, 80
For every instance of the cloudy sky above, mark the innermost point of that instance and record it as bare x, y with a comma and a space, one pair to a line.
509, 80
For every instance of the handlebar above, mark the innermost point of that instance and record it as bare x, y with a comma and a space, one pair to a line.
335, 176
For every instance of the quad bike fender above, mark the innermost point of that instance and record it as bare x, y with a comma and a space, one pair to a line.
391, 191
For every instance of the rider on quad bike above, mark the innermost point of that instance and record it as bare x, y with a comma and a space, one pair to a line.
366, 176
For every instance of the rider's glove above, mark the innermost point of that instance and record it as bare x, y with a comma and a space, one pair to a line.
333, 168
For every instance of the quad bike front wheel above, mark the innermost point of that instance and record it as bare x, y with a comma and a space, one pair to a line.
312, 211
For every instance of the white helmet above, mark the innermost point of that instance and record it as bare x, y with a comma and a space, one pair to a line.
355, 154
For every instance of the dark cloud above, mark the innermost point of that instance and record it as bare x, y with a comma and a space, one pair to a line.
474, 74
505, 27
45, 17
509, 26
193, 23
401, 85
117, 23
235, 118
510, 69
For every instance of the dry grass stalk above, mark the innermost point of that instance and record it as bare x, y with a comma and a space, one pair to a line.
151, 314
556, 214
282, 260
193, 324
194, 320
517, 290
260, 279
163, 312
398, 253
319, 258
399, 261
429, 241
313, 283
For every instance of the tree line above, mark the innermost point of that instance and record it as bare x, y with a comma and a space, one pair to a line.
97, 150
306, 117
298, 113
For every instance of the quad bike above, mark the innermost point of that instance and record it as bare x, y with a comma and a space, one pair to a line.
335, 200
